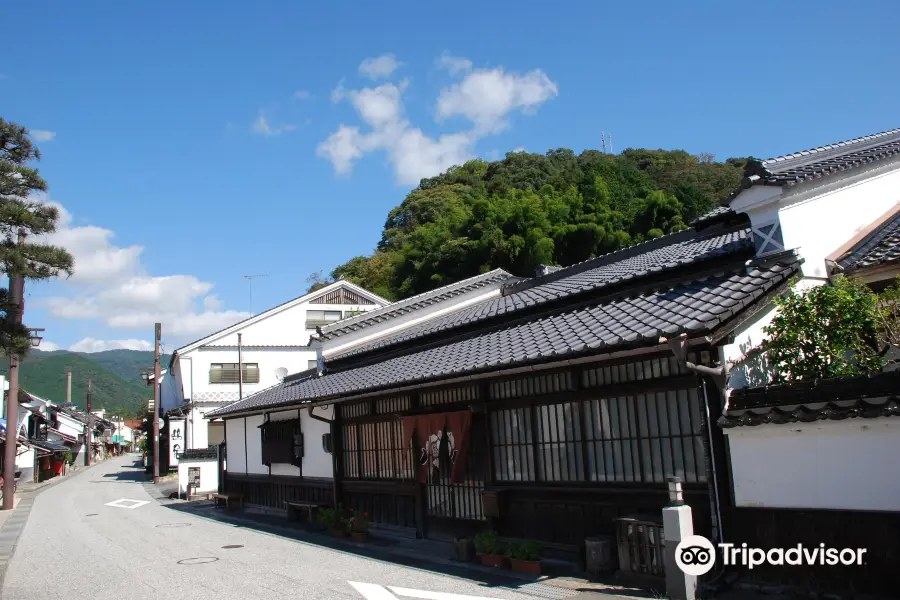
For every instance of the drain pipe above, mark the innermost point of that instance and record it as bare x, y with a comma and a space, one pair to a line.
719, 376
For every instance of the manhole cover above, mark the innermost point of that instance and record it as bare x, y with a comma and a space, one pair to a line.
231, 546
200, 560
173, 525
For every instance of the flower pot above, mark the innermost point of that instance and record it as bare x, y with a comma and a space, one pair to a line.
532, 567
493, 560
359, 536
338, 532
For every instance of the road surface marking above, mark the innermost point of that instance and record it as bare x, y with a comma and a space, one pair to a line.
126, 503
408, 593
373, 591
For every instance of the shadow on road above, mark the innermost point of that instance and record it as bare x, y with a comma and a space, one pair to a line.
403, 552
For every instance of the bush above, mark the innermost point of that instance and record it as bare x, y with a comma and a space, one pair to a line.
525, 551
333, 518
488, 542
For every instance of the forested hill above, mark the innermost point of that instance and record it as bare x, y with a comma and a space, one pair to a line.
532, 209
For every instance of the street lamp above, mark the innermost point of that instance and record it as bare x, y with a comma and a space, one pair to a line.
33, 336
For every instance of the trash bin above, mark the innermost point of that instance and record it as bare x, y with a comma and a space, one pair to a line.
600, 556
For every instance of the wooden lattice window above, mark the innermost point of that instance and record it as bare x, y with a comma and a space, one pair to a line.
376, 451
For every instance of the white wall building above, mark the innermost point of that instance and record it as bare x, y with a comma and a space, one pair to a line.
332, 342
203, 375
817, 203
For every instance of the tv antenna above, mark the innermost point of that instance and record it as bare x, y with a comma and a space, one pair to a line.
250, 279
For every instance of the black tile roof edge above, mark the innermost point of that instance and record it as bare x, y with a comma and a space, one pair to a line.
600, 261
820, 390
354, 358
401, 306
829, 411
849, 259
728, 325
764, 172
780, 164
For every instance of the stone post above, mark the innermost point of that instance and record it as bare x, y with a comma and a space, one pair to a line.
678, 524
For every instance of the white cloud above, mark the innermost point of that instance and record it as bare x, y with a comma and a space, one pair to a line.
301, 95
111, 286
414, 154
91, 345
487, 96
42, 135
454, 64
212, 302
47, 346
379, 67
520, 149
263, 126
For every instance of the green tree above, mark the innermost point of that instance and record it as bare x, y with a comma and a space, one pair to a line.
21, 212
826, 331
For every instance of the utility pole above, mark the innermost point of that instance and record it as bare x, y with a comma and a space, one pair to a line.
240, 370
68, 387
88, 437
14, 315
156, 376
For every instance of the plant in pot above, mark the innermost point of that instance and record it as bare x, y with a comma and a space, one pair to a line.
335, 519
525, 557
490, 549
358, 525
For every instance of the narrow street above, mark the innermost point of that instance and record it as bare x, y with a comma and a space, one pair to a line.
83, 538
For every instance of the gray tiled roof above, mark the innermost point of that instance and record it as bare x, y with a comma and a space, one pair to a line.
823, 161
715, 214
696, 307
414, 303
882, 246
590, 276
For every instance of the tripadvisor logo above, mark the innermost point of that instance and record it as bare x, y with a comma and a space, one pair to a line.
696, 555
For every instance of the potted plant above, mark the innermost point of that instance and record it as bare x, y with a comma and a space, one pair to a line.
335, 519
490, 549
358, 526
525, 557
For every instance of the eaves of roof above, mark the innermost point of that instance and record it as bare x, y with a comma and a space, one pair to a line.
697, 306
629, 267
413, 303
880, 247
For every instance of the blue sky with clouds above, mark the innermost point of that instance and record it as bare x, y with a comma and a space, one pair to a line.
192, 143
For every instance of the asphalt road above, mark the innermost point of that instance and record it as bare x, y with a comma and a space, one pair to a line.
76, 545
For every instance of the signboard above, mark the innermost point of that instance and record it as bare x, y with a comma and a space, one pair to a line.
176, 439
194, 477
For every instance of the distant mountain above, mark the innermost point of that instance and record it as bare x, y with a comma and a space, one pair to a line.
127, 364
115, 377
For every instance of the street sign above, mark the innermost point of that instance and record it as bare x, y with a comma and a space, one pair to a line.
373, 591
194, 476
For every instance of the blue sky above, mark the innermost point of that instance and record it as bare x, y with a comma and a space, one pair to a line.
192, 143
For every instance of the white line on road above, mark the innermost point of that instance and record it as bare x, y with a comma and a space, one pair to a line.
372, 591
126, 503
434, 595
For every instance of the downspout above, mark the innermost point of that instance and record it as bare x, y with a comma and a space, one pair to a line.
719, 375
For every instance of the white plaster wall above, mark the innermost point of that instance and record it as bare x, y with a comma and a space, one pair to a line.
268, 359
254, 447
848, 465
316, 462
25, 461
198, 428
234, 446
749, 370
209, 476
69, 425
